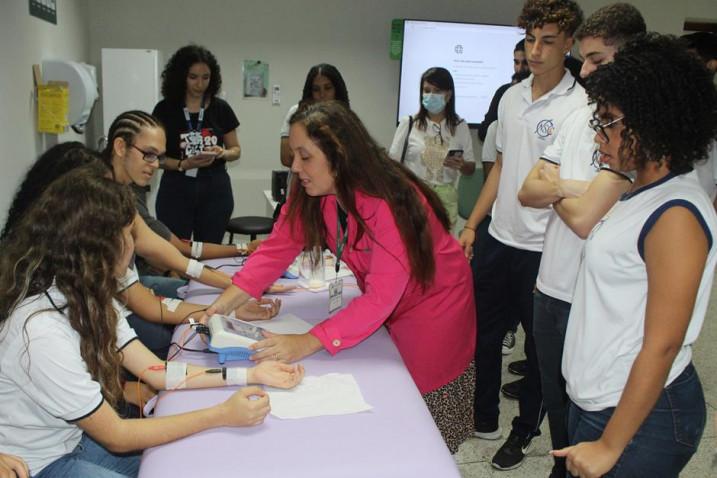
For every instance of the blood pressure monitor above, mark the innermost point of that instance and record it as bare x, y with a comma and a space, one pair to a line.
230, 338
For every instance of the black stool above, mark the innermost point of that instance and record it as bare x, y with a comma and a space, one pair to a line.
249, 225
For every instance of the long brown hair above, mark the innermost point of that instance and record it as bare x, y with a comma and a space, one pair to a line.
360, 164
72, 236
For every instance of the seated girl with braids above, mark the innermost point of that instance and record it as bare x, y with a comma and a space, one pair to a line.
152, 317
63, 343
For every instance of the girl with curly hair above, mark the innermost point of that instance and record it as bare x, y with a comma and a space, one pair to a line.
637, 406
195, 195
63, 341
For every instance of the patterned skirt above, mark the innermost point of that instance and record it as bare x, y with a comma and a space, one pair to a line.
452, 408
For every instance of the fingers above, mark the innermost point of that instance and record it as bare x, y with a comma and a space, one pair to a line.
253, 391
11, 466
562, 452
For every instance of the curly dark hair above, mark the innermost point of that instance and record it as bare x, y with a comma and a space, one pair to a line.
72, 237
704, 43
615, 24
536, 13
667, 98
330, 72
52, 164
442, 79
174, 76
360, 164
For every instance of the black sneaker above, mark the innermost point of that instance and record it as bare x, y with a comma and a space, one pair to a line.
512, 390
508, 343
488, 431
519, 367
512, 454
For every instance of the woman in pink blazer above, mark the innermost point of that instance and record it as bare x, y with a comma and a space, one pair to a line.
393, 233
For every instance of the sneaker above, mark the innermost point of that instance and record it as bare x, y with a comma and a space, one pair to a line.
512, 390
509, 342
487, 431
512, 454
519, 367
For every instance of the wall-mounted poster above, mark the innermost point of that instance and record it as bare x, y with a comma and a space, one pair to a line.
256, 79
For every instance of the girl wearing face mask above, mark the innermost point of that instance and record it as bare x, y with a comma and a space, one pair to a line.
435, 143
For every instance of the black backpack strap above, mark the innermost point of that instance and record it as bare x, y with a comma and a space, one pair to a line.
405, 142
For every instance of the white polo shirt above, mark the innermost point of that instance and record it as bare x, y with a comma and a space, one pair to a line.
607, 319
489, 154
44, 383
426, 150
573, 150
525, 129
705, 171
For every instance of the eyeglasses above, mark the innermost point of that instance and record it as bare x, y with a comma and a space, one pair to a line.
600, 128
149, 156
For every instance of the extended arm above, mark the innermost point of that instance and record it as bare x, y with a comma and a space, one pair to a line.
158, 251
483, 205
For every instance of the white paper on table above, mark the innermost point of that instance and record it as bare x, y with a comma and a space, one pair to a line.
330, 394
285, 324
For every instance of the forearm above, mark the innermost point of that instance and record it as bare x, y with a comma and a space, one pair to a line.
170, 164
229, 300
139, 434
468, 168
644, 385
539, 193
231, 154
582, 213
487, 197
214, 278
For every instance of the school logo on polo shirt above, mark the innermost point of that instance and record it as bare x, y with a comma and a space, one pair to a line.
545, 128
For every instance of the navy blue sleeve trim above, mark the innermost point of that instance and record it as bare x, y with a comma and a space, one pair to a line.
622, 175
127, 343
102, 400
647, 227
550, 161
128, 286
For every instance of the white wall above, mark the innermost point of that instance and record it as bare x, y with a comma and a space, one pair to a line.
290, 35
24, 41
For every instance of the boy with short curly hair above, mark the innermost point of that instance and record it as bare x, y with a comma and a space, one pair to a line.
506, 263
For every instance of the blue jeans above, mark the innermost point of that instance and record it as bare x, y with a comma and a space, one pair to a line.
90, 460
667, 438
163, 286
550, 321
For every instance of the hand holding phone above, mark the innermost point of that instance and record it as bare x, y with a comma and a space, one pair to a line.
454, 159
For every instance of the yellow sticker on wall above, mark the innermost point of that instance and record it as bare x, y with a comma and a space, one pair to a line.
53, 105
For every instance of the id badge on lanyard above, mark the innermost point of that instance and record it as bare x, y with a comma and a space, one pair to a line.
195, 143
336, 288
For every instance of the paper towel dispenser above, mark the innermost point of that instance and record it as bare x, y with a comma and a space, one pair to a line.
82, 84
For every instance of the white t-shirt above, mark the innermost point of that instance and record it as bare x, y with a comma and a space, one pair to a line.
44, 383
489, 153
607, 318
427, 149
284, 133
573, 151
705, 171
525, 129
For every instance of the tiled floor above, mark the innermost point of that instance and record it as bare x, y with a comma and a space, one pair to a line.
474, 456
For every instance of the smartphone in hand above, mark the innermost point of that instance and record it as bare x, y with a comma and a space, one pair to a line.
453, 158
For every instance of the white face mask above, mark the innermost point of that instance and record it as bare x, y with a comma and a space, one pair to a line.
434, 102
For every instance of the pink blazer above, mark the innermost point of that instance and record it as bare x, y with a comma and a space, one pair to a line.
434, 330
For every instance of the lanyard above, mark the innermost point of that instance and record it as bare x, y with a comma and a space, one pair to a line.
200, 120
341, 239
